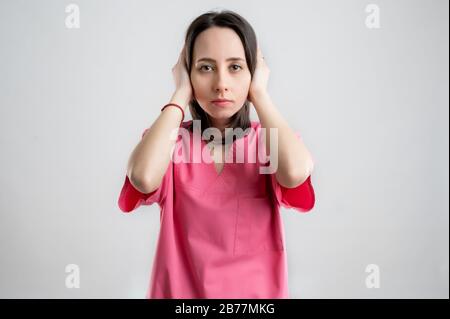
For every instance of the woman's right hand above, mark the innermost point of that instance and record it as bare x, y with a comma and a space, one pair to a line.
183, 87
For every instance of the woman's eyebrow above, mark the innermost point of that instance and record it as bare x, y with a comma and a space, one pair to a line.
212, 60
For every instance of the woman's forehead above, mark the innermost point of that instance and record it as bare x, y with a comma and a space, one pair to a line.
218, 44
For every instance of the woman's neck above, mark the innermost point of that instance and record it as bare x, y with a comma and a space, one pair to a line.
221, 125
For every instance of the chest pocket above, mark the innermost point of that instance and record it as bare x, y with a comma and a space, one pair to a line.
258, 226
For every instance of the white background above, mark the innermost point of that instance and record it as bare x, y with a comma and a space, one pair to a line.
371, 106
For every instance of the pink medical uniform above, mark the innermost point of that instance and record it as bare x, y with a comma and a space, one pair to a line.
221, 234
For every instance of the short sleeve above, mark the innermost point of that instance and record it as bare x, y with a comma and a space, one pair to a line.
130, 198
301, 198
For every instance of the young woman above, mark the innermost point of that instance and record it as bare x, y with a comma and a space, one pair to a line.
221, 235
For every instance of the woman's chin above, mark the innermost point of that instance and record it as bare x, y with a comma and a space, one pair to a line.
220, 113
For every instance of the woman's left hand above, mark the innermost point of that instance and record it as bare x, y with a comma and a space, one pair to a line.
260, 78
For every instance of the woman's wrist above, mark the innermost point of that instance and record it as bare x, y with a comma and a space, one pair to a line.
180, 98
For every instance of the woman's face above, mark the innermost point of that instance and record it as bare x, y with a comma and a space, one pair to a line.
218, 77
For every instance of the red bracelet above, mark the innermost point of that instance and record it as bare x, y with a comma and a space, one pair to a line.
182, 111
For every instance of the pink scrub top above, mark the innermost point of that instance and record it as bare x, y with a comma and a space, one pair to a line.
221, 235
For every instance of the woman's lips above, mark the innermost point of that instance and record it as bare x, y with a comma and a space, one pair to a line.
222, 103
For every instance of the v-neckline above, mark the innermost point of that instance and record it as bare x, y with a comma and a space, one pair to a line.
230, 152
225, 156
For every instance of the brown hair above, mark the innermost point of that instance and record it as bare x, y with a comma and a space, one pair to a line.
244, 30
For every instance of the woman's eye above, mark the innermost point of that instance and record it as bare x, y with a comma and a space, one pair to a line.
201, 68
233, 66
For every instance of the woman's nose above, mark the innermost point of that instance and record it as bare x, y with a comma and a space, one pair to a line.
221, 82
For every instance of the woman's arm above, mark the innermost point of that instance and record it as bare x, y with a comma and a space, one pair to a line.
149, 160
294, 160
